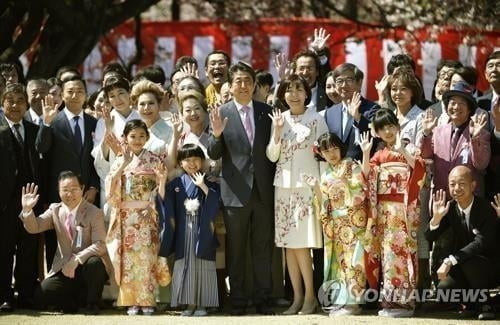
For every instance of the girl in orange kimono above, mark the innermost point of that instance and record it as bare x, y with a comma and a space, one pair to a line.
394, 181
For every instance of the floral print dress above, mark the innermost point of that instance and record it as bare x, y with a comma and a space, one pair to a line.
343, 215
133, 238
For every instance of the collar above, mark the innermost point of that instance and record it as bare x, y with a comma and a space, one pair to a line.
70, 115
240, 106
466, 211
494, 96
11, 124
34, 115
73, 211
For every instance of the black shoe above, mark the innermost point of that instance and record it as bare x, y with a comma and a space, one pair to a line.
467, 313
264, 310
92, 309
486, 312
6, 307
238, 311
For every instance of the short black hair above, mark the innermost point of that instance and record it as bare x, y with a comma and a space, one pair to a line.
152, 72
347, 67
468, 73
493, 55
74, 78
92, 98
454, 64
384, 117
400, 60
263, 77
67, 68
135, 124
307, 54
65, 174
116, 68
53, 81
185, 59
189, 150
328, 140
226, 57
16, 88
243, 67
286, 83
115, 82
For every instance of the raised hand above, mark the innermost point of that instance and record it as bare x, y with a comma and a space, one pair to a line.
353, 106
49, 109
277, 118
189, 69
310, 180
365, 142
381, 85
429, 122
440, 206
127, 155
198, 179
398, 146
218, 125
29, 196
495, 113
113, 143
496, 204
109, 121
282, 65
161, 173
320, 38
477, 122
177, 125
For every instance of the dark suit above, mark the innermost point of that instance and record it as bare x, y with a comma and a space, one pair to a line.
248, 196
473, 246
18, 166
333, 118
59, 149
484, 101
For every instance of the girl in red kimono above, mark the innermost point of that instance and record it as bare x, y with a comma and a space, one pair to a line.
394, 181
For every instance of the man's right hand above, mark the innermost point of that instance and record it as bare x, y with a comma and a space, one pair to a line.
440, 207
49, 110
218, 125
29, 197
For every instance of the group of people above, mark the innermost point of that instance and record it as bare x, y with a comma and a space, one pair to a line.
162, 193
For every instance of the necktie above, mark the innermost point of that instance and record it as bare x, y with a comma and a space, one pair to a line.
345, 118
17, 134
77, 135
68, 225
464, 220
248, 124
454, 139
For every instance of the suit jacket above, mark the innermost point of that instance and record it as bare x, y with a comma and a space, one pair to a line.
333, 118
59, 149
88, 217
244, 165
477, 240
485, 101
474, 153
9, 164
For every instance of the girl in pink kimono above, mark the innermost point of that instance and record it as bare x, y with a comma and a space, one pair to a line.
394, 181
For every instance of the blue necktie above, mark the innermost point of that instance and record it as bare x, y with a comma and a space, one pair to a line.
78, 136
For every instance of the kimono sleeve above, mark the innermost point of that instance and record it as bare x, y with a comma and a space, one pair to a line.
167, 210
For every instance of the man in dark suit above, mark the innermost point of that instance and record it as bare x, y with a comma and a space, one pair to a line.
68, 145
492, 74
346, 122
470, 260
37, 89
20, 163
241, 132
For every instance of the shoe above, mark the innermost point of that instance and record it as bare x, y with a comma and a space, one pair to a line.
486, 312
132, 311
349, 310
187, 312
92, 309
147, 311
309, 309
467, 313
238, 311
264, 310
7, 307
281, 302
200, 312
294, 308
395, 312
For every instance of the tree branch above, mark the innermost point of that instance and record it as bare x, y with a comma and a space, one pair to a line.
116, 14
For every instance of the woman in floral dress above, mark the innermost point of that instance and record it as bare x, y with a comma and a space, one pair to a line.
296, 227
394, 180
133, 238
341, 197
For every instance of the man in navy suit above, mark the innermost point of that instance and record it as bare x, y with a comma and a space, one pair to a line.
469, 261
492, 74
345, 122
241, 131
68, 145
20, 163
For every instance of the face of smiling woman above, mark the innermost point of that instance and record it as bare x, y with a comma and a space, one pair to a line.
148, 108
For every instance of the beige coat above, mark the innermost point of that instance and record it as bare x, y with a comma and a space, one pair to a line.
88, 217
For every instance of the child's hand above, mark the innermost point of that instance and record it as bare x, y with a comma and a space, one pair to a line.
365, 142
198, 179
398, 146
161, 172
310, 180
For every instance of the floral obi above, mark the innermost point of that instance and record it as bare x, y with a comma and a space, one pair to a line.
139, 185
393, 180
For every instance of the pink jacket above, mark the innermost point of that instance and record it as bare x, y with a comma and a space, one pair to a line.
474, 153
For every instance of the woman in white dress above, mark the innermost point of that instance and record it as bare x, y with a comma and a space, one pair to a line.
297, 228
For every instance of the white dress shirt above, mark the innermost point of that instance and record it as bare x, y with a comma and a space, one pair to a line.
70, 116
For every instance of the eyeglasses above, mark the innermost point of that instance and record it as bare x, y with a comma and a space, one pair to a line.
347, 81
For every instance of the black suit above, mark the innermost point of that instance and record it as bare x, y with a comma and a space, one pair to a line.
473, 247
248, 196
56, 143
484, 101
19, 165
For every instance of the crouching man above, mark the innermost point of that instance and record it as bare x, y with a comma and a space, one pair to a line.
79, 269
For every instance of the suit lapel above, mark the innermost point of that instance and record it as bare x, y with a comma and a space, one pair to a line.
460, 143
336, 119
81, 212
446, 138
348, 129
62, 221
87, 139
258, 115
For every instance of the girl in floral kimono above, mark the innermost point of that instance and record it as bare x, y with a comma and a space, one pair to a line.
190, 206
394, 181
341, 196
133, 239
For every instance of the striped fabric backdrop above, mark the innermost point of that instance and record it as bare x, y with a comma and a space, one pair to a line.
258, 42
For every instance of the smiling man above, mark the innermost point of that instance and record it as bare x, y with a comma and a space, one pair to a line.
216, 69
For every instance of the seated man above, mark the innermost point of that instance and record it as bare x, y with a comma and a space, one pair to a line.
78, 273
470, 261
